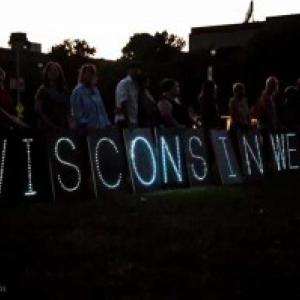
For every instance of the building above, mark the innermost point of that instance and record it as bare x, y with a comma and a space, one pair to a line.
233, 35
27, 54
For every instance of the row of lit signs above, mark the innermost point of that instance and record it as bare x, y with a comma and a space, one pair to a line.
39, 167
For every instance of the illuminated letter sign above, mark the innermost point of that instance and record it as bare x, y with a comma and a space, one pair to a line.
293, 154
77, 179
225, 157
278, 151
142, 159
285, 151
28, 161
108, 161
67, 157
3, 164
165, 158
30, 190
250, 145
7, 179
196, 156
171, 158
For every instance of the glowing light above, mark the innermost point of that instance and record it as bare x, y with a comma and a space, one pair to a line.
290, 150
2, 166
97, 162
132, 151
30, 191
68, 164
248, 150
223, 140
198, 177
278, 147
166, 153
228, 121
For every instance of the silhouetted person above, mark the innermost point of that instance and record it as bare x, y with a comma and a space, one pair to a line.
87, 107
291, 108
206, 106
298, 86
238, 107
266, 108
280, 105
171, 111
127, 98
148, 112
8, 118
52, 100
265, 112
298, 92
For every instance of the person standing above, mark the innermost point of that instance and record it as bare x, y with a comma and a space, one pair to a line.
171, 111
265, 109
52, 101
266, 113
238, 108
298, 96
291, 108
206, 107
8, 114
148, 113
298, 88
127, 98
87, 107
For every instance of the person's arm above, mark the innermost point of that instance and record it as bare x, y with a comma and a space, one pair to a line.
165, 110
39, 108
271, 113
194, 118
78, 110
122, 97
202, 111
234, 113
231, 110
248, 114
12, 119
105, 118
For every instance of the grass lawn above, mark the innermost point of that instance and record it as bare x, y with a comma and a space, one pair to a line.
204, 243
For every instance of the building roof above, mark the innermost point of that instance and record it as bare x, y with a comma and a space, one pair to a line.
226, 28
243, 26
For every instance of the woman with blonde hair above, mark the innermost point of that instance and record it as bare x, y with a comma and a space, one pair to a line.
238, 107
265, 109
87, 107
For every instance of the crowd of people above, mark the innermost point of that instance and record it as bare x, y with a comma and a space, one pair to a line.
83, 109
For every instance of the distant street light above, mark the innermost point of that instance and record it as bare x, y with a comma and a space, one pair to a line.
210, 70
18, 41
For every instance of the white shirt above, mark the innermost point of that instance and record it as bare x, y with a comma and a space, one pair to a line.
127, 91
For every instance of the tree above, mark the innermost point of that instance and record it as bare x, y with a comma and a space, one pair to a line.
145, 47
72, 54
78, 48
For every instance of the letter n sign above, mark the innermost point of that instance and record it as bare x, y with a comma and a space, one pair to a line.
225, 157
171, 158
251, 151
142, 160
69, 167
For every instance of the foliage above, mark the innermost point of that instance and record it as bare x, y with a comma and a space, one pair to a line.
146, 47
77, 47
